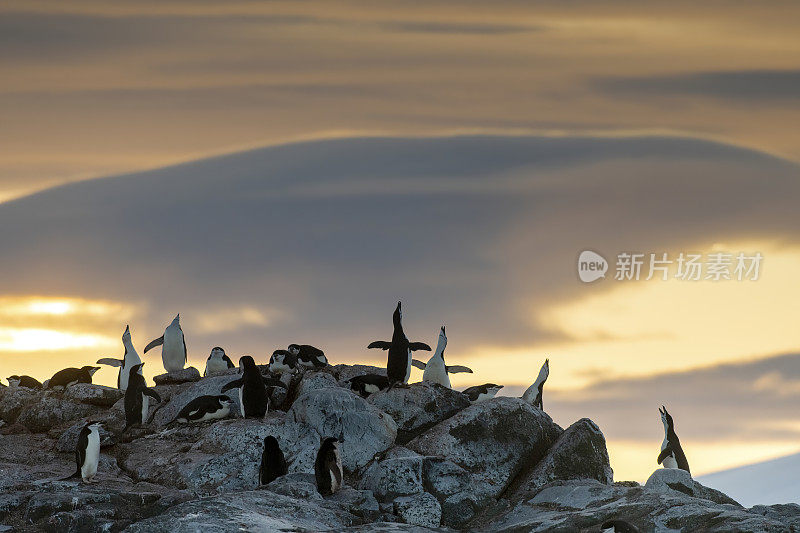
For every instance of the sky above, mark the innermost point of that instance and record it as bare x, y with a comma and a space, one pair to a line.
286, 171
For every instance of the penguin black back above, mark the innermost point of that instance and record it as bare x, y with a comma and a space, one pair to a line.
25, 381
671, 448
369, 384
136, 398
273, 463
253, 392
71, 376
328, 467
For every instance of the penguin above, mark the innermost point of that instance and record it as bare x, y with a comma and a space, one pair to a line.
534, 393
479, 393
24, 381
217, 362
398, 364
71, 376
273, 463
368, 384
671, 455
204, 408
308, 356
435, 369
173, 353
87, 452
616, 525
283, 362
129, 358
328, 467
137, 398
253, 393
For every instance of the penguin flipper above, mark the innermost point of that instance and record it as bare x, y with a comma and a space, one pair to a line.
153, 394
455, 369
666, 452
418, 364
153, 343
383, 345
228, 361
110, 362
414, 346
235, 384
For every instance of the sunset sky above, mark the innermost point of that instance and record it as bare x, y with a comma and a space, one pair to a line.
286, 171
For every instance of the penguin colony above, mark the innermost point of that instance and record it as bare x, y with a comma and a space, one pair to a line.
253, 390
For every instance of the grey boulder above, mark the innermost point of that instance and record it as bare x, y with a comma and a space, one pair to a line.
98, 395
398, 472
420, 509
187, 375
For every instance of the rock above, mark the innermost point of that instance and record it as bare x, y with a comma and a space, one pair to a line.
337, 412
258, 510
420, 509
343, 373
315, 380
788, 513
397, 473
584, 504
579, 453
485, 446
93, 394
296, 485
188, 374
675, 479
418, 407
360, 503
14, 400
51, 411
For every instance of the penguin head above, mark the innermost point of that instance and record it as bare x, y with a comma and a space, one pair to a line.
176, 320
126, 335
398, 314
493, 388
294, 349
442, 342
329, 443
216, 351
225, 400
94, 425
247, 362
136, 369
271, 444
13, 380
90, 369
666, 418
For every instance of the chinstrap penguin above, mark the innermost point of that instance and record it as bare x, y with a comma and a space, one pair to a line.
87, 452
129, 359
173, 351
671, 455
534, 393
24, 381
273, 463
328, 467
253, 389
308, 356
368, 384
218, 362
435, 370
137, 398
479, 393
398, 364
204, 408
283, 362
71, 376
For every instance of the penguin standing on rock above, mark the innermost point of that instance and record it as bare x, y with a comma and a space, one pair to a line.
87, 452
129, 359
328, 467
671, 455
308, 356
534, 393
398, 365
273, 463
173, 353
217, 362
71, 376
137, 398
253, 389
436, 371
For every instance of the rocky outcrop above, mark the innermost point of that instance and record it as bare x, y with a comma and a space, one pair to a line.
187, 375
418, 407
501, 465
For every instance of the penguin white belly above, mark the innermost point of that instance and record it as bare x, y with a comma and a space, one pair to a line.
279, 368
145, 407
670, 462
89, 467
172, 353
370, 388
241, 401
483, 396
216, 366
131, 360
216, 415
408, 367
435, 372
